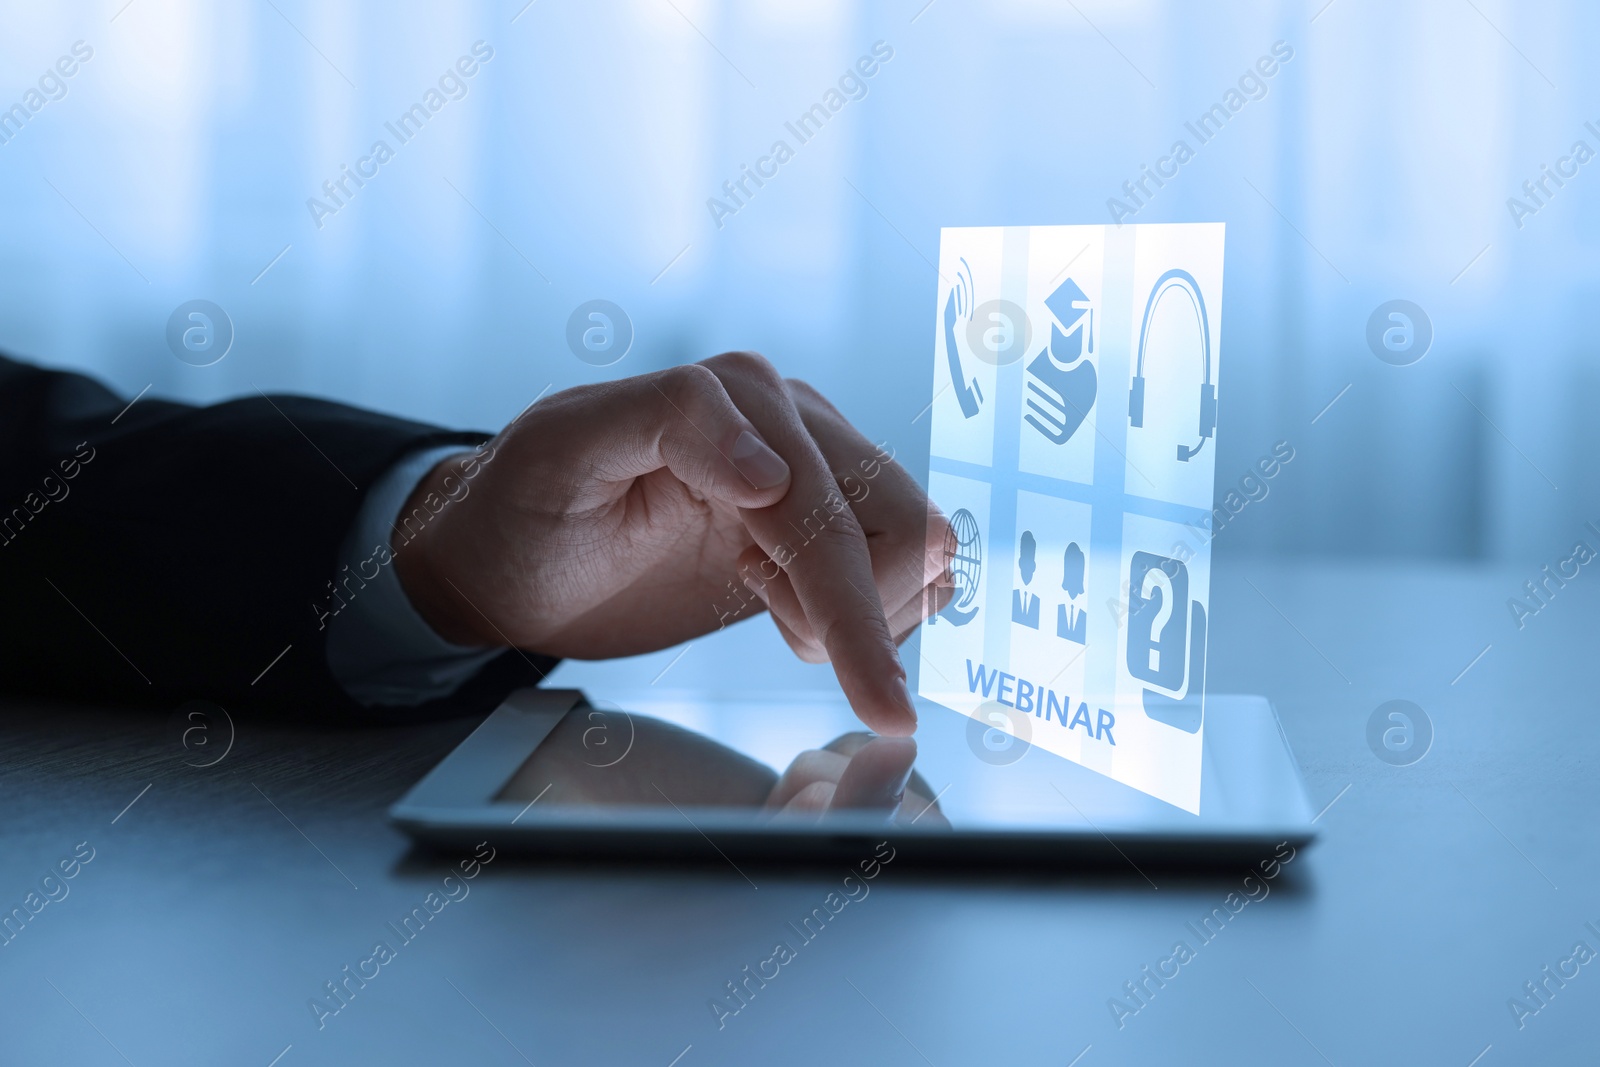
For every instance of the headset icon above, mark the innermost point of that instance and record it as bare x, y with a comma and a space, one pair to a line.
1183, 281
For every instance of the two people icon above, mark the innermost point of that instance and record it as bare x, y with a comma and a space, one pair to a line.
1072, 617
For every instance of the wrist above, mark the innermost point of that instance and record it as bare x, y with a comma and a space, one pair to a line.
428, 559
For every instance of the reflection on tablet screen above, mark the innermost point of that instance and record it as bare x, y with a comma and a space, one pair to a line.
806, 756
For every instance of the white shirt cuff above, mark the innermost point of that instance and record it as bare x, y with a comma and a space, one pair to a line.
380, 650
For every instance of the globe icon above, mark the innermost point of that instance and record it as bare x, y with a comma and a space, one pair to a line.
964, 549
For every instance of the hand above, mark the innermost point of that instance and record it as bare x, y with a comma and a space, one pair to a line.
630, 516
858, 772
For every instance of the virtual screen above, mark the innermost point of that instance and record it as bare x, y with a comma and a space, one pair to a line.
1075, 378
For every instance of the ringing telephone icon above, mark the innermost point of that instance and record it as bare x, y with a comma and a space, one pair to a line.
1166, 645
960, 303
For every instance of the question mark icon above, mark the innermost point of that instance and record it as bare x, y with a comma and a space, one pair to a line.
1156, 577
1158, 659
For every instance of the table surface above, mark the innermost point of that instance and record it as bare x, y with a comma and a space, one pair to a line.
220, 899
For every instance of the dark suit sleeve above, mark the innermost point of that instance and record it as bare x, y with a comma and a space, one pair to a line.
159, 552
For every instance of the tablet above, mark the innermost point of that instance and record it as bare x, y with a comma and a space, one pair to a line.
694, 775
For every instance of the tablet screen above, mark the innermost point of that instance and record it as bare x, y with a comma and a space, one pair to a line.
806, 757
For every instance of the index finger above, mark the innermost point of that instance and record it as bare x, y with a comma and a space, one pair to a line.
816, 539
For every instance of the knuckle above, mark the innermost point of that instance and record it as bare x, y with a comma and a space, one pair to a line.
747, 364
691, 377
693, 387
